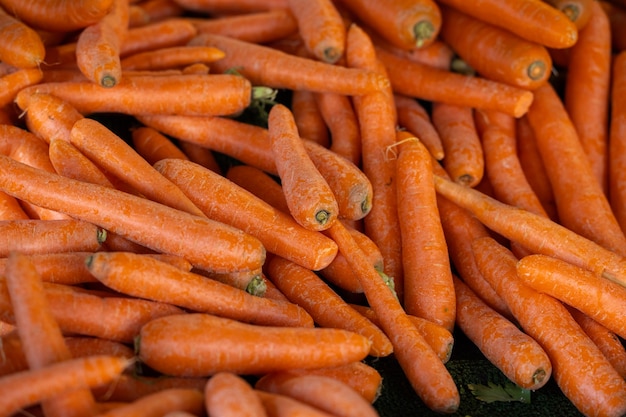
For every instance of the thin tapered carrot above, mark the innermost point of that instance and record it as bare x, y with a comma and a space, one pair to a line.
303, 287
406, 24
578, 11
428, 287
426, 373
122, 271
589, 76
306, 113
580, 201
12, 83
161, 403
377, 120
515, 353
10, 208
129, 387
33, 386
535, 232
231, 6
72, 163
597, 297
263, 65
136, 218
338, 113
162, 34
534, 20
98, 46
258, 27
617, 145
227, 394
494, 52
110, 152
207, 344
464, 159
591, 384
322, 392
432, 84
310, 199
279, 233
212, 94
172, 57
153, 146
22, 46
413, 117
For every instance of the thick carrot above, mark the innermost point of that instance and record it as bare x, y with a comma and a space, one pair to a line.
599, 298
227, 394
278, 233
33, 386
161, 403
579, 368
321, 27
580, 200
589, 76
123, 271
10, 208
428, 287
47, 116
136, 218
495, 53
309, 120
22, 46
432, 84
304, 288
617, 144
534, 20
578, 11
212, 94
172, 57
322, 392
277, 405
426, 373
201, 344
338, 113
162, 34
413, 117
263, 65
515, 353
70, 162
129, 387
98, 46
250, 281
537, 233
12, 83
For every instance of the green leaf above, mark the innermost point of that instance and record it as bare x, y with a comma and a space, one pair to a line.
494, 392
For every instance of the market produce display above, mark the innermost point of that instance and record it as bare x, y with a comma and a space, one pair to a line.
313, 207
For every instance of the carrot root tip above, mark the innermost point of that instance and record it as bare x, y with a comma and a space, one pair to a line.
423, 31
536, 70
322, 217
332, 54
571, 11
101, 236
108, 81
257, 286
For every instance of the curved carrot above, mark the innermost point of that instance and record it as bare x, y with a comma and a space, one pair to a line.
70, 162
279, 233
518, 355
161, 402
578, 11
338, 113
227, 394
617, 144
495, 53
428, 287
172, 57
122, 271
327, 308
321, 27
413, 117
22, 46
206, 344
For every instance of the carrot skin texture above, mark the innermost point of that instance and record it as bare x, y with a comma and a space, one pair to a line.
22, 46
617, 144
260, 349
161, 403
227, 394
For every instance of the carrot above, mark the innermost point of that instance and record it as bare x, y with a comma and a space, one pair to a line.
10, 208
413, 117
213, 94
591, 384
617, 145
12, 357
599, 298
231, 6
98, 46
326, 307
578, 11
33, 386
159, 10
464, 160
72, 163
205, 345
278, 233
109, 151
426, 373
535, 20
338, 114
494, 52
12, 83
122, 271
129, 387
172, 57
42, 341
251, 282
432, 84
617, 17
576, 198
138, 219
200, 155
81, 346
277, 405
321, 392
406, 24
306, 113
152, 36
57, 16
259, 27
154, 146
227, 394
162, 402
22, 46
260, 183
428, 287
590, 65
263, 65
535, 232
437, 54
47, 116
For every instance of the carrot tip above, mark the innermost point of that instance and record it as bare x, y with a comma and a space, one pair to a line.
423, 31
108, 81
332, 54
536, 70
323, 217
101, 236
257, 286
571, 11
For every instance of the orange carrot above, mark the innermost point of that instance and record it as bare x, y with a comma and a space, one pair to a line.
161, 403
47, 116
172, 57
277, 405
129, 387
428, 287
206, 344
251, 282
154, 146
338, 114
279, 233
231, 6
306, 113
578, 11
413, 117
22, 46
162, 34
260, 183
227, 394
10, 208
33, 386
72, 163
12, 83
159, 10
122, 271
200, 155
617, 144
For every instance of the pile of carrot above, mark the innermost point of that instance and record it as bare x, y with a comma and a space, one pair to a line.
290, 187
